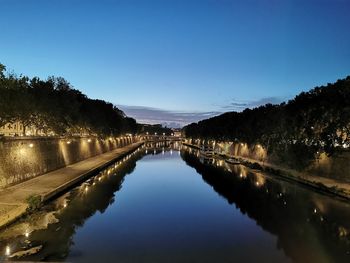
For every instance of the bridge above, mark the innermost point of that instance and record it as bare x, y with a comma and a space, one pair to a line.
160, 138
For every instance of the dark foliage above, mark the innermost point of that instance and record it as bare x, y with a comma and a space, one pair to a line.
155, 128
319, 119
53, 105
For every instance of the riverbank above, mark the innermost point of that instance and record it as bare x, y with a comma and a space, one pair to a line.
23, 158
321, 184
13, 204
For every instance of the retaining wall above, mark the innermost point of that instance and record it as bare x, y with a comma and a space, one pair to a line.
25, 158
298, 158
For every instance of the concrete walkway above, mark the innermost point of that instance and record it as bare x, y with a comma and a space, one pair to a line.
13, 202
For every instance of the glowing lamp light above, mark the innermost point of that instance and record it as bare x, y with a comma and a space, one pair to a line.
26, 234
22, 151
89, 140
31, 145
69, 142
7, 251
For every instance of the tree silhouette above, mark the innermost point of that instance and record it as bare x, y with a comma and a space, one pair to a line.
53, 105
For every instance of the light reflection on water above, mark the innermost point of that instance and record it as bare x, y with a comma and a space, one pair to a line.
162, 211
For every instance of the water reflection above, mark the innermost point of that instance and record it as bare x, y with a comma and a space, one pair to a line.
310, 227
168, 214
71, 211
161, 147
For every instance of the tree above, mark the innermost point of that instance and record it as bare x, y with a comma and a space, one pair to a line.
53, 105
2, 71
315, 120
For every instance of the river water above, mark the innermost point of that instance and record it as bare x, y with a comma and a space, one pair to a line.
163, 204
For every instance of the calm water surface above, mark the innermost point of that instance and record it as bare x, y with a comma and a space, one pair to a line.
163, 205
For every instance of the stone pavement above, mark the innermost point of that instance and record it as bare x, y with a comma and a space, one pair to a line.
13, 202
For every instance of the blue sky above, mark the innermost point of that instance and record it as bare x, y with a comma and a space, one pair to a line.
179, 61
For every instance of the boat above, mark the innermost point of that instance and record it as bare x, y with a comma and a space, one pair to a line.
232, 161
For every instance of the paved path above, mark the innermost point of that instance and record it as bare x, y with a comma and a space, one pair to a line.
13, 199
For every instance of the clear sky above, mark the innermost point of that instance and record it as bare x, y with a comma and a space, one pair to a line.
179, 60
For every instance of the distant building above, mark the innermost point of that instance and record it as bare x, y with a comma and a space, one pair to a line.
16, 129
177, 132
12, 129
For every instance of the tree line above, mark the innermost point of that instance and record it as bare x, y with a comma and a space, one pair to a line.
158, 129
318, 119
53, 105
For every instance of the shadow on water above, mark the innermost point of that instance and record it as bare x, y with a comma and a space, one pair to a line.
309, 227
72, 210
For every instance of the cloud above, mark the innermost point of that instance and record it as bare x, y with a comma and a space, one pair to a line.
178, 119
169, 118
239, 105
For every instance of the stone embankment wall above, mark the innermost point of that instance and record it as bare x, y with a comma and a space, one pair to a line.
24, 158
335, 166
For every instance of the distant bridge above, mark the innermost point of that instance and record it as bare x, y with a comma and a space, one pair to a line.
160, 138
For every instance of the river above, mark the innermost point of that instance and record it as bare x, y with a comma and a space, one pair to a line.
164, 203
